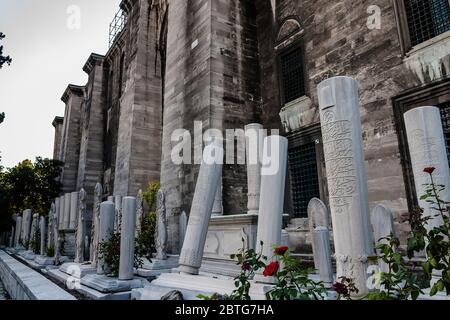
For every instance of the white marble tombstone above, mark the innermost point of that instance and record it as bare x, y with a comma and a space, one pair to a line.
428, 149
127, 238
183, 226
18, 231
161, 227
73, 217
273, 182
107, 216
383, 226
139, 211
318, 217
26, 226
255, 136
43, 229
118, 218
95, 232
61, 212
51, 228
218, 200
56, 222
67, 203
34, 228
322, 246
12, 237
80, 227
347, 180
202, 204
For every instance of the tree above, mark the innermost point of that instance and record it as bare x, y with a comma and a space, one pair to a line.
3, 59
28, 186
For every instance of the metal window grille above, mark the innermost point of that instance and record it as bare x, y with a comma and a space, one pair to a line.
445, 115
304, 178
292, 75
116, 26
427, 19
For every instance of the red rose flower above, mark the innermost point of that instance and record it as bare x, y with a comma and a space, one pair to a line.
271, 269
429, 170
340, 288
281, 250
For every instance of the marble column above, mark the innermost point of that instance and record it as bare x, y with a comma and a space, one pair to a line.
271, 203
67, 203
27, 216
18, 231
107, 214
61, 212
43, 230
322, 247
73, 216
127, 239
347, 180
255, 136
383, 226
318, 217
202, 205
428, 149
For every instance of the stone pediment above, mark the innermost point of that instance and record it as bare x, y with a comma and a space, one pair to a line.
291, 28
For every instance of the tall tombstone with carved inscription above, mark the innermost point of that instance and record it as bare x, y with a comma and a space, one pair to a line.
347, 180
427, 149
96, 224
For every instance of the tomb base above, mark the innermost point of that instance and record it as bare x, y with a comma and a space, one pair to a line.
27, 255
106, 284
77, 270
44, 261
191, 286
158, 267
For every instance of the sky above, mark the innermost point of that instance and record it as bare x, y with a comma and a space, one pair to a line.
49, 42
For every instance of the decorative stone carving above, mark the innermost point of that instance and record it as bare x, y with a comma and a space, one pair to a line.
34, 228
51, 225
161, 227
67, 203
61, 212
289, 28
81, 227
347, 181
98, 194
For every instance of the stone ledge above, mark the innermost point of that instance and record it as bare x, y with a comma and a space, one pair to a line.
23, 283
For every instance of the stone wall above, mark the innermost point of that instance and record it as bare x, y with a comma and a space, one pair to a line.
212, 76
71, 137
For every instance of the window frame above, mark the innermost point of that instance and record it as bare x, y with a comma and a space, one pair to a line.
403, 28
297, 45
430, 95
310, 134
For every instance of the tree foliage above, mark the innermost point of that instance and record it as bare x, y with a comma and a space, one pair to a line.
3, 59
28, 186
